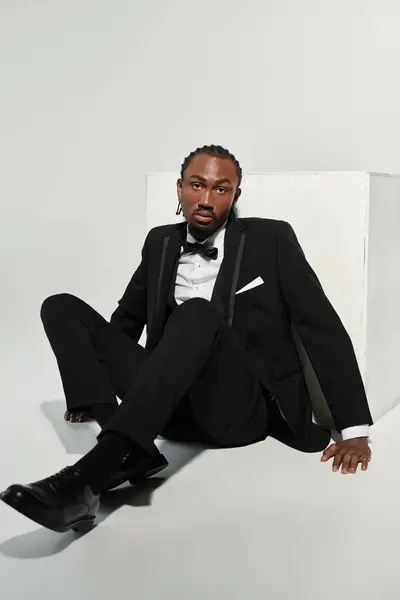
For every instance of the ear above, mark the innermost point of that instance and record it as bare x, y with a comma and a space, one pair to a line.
237, 195
179, 188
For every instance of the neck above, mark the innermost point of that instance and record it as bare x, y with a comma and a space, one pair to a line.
201, 236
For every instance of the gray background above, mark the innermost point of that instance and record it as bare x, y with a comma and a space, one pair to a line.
94, 94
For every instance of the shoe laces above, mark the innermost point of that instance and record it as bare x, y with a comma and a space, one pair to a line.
63, 478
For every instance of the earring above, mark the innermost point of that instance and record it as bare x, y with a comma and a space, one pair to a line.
179, 208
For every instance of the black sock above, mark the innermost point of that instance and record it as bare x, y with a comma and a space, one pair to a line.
102, 412
98, 465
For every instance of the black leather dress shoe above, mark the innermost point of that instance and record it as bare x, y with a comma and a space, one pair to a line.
60, 502
135, 469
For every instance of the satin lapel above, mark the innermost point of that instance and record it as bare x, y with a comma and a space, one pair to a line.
235, 238
168, 267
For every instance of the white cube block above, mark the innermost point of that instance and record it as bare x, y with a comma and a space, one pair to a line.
349, 227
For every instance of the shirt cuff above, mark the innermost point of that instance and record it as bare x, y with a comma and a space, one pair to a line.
354, 432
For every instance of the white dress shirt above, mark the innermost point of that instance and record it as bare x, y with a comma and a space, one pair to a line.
196, 277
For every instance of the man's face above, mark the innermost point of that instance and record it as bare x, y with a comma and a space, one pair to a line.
207, 192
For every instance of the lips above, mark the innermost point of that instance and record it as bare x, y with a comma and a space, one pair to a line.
202, 217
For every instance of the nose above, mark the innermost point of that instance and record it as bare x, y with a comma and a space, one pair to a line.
206, 200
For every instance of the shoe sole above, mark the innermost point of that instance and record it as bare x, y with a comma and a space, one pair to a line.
81, 525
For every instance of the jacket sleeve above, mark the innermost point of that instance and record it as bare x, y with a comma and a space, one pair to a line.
323, 335
131, 315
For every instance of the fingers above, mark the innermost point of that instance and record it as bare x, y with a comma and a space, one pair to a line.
329, 452
350, 462
364, 463
337, 462
80, 417
75, 416
354, 463
346, 463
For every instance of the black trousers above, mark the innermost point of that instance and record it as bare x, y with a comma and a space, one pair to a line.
197, 384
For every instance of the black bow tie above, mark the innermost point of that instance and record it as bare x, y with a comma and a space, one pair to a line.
202, 249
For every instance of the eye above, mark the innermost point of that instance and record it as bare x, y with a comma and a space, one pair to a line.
196, 186
221, 190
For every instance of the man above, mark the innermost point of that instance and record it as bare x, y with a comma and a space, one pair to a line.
218, 295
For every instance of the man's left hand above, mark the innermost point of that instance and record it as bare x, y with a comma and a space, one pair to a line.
348, 455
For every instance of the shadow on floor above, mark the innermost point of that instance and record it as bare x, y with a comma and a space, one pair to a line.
78, 439
36, 544
179, 455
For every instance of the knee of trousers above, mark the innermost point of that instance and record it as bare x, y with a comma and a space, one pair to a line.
199, 309
56, 304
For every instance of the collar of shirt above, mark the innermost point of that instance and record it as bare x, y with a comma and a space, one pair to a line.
216, 239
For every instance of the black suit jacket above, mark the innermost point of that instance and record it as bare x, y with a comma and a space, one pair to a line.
262, 319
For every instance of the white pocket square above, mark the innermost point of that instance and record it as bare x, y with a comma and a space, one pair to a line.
255, 283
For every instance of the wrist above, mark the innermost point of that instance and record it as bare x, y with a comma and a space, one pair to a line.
361, 439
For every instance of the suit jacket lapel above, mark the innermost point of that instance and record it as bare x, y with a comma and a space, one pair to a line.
228, 277
168, 267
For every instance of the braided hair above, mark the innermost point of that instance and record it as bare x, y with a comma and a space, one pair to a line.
217, 151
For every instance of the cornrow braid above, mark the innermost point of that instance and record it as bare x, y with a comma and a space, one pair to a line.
213, 150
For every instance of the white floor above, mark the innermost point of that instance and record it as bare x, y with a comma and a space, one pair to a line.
254, 523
